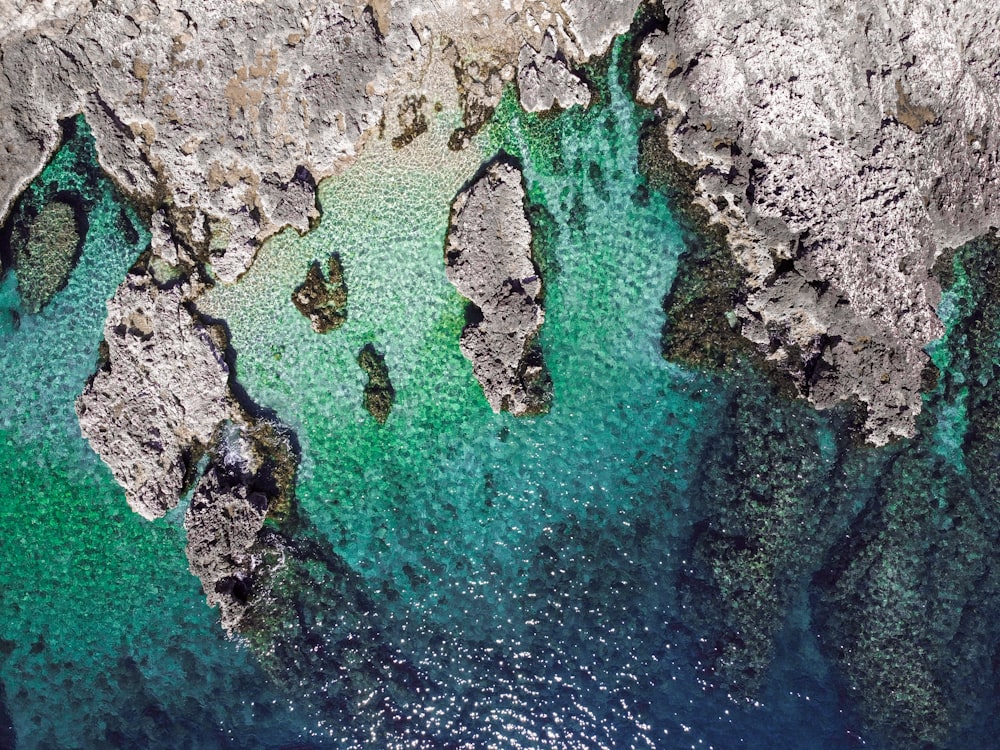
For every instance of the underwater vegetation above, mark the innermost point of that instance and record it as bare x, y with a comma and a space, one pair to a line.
678, 552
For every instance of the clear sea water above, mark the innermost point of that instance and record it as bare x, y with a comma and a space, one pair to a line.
528, 567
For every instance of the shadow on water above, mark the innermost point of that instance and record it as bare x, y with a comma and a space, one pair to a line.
8, 738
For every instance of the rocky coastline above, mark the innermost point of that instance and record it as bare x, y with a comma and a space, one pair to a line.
827, 157
488, 259
818, 139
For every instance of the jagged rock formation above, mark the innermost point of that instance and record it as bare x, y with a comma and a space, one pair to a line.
544, 79
323, 299
162, 390
251, 474
222, 524
224, 115
379, 393
488, 259
819, 135
159, 404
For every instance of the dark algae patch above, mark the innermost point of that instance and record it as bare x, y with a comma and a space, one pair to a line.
379, 393
48, 226
909, 602
412, 121
8, 737
701, 328
323, 298
773, 483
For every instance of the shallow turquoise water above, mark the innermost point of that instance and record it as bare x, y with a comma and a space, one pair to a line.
537, 572
105, 639
526, 565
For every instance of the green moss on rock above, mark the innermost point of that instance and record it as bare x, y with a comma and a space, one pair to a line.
323, 299
45, 254
379, 393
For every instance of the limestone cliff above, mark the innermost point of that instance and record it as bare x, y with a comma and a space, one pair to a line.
844, 146
153, 407
215, 111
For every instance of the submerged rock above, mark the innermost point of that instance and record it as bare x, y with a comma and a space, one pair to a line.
488, 259
154, 405
8, 737
45, 252
323, 300
906, 602
320, 635
379, 393
771, 488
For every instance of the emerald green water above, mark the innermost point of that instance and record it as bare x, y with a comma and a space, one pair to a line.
574, 580
523, 564
105, 639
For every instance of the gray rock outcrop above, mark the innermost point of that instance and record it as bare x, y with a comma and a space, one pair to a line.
545, 80
844, 147
193, 106
159, 404
250, 475
214, 111
222, 524
595, 23
488, 259
154, 405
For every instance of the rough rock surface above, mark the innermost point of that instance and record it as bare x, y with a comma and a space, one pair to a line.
488, 257
544, 79
323, 299
594, 23
844, 146
251, 475
217, 112
222, 524
154, 405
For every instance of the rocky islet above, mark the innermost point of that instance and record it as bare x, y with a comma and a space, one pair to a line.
488, 259
322, 298
825, 293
